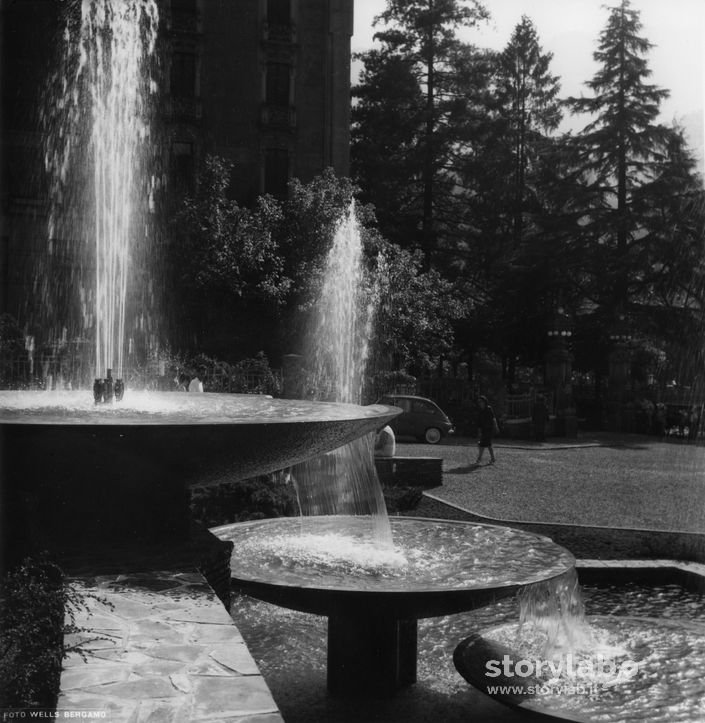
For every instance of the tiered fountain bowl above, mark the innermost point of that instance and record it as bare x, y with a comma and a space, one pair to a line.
373, 596
76, 473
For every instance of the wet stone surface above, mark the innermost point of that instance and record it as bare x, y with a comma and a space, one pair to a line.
161, 646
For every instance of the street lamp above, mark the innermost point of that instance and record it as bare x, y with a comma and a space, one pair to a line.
559, 328
620, 333
558, 371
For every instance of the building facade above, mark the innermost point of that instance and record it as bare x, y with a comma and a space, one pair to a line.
264, 83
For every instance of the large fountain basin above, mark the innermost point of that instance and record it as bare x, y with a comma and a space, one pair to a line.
326, 565
75, 473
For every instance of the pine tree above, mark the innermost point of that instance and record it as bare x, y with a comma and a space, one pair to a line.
621, 148
423, 34
529, 108
386, 157
512, 196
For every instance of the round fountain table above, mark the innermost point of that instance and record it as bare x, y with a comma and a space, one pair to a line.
372, 613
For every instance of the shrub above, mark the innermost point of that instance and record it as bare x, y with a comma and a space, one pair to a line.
34, 601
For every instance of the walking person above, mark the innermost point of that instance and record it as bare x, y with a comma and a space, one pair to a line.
539, 418
487, 428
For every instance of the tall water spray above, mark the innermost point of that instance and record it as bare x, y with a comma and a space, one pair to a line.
344, 317
97, 157
344, 482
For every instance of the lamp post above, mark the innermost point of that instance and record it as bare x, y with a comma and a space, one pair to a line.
558, 370
619, 364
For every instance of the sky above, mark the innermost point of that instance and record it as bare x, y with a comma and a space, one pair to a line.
570, 30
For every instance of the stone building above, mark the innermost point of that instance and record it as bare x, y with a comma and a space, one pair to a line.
265, 83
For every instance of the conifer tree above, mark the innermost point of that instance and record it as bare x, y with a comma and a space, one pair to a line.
529, 108
424, 34
621, 149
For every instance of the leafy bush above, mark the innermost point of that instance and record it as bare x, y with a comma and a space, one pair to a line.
250, 499
263, 497
402, 499
34, 601
31, 635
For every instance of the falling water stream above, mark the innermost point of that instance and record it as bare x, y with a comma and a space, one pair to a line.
98, 145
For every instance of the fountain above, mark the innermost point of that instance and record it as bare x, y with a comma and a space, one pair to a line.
342, 559
80, 471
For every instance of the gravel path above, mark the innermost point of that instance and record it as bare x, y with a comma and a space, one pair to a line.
628, 481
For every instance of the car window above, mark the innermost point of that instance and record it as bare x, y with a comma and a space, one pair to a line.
402, 403
421, 407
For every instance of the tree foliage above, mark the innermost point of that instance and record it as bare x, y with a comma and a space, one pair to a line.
521, 218
621, 149
511, 173
421, 56
224, 249
417, 309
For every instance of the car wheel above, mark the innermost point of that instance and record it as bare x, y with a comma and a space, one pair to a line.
433, 435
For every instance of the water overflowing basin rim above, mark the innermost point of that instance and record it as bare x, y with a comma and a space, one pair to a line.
429, 556
173, 408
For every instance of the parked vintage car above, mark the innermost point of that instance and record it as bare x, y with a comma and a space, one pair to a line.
422, 418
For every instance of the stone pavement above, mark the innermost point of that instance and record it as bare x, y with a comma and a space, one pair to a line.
161, 647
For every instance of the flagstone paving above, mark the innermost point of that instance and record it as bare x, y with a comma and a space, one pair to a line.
160, 647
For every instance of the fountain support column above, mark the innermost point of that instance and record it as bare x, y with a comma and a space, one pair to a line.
370, 653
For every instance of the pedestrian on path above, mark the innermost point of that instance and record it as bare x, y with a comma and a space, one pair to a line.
539, 418
487, 428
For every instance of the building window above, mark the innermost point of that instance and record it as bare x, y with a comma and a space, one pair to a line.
276, 171
184, 6
182, 167
278, 79
279, 12
183, 75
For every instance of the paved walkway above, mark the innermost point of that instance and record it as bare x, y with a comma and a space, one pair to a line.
161, 647
629, 481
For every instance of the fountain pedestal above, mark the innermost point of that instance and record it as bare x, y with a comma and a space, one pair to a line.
371, 653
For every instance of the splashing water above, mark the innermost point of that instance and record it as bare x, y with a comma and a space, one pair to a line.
553, 612
345, 481
98, 145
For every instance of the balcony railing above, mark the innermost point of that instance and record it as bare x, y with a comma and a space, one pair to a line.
278, 117
184, 108
278, 33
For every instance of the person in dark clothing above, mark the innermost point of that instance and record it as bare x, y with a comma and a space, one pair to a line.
539, 418
487, 428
